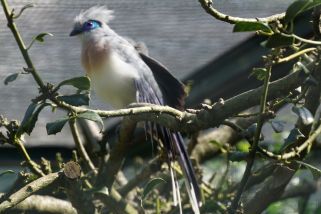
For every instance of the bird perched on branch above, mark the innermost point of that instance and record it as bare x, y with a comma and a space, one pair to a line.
121, 75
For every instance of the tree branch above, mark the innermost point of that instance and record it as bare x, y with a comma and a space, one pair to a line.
208, 7
205, 118
255, 143
22, 47
80, 147
44, 204
28, 190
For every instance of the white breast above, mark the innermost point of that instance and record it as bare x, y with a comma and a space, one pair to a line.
114, 82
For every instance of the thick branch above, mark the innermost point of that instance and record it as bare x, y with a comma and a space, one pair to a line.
44, 204
28, 190
205, 118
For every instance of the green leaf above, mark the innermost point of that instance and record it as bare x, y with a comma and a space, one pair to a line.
56, 126
152, 184
11, 78
238, 156
243, 146
40, 37
82, 83
316, 173
252, 26
31, 116
294, 135
6, 172
278, 40
75, 99
298, 7
259, 73
304, 114
93, 116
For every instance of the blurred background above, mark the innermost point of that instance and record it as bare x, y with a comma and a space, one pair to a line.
196, 48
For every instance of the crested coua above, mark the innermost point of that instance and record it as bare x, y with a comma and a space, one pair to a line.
120, 75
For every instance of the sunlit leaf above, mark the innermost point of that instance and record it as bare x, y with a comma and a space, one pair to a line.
40, 37
11, 78
82, 83
298, 7
251, 26
243, 146
56, 126
152, 184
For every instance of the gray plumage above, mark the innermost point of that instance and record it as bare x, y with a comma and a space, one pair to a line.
120, 75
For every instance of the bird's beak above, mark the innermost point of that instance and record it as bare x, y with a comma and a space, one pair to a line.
75, 32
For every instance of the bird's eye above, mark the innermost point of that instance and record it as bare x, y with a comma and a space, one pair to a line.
89, 24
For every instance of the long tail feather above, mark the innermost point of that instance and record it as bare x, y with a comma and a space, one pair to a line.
189, 175
175, 150
175, 143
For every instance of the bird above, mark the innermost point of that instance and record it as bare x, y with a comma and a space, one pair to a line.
121, 75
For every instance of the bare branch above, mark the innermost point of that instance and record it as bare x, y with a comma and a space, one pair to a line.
208, 7
44, 204
28, 190
80, 147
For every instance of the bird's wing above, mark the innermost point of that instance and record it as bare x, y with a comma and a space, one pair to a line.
157, 86
172, 89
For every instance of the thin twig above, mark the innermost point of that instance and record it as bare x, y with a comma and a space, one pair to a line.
34, 167
295, 55
295, 152
254, 146
80, 147
21, 44
208, 7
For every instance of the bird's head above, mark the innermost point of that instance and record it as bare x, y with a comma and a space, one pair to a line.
93, 20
